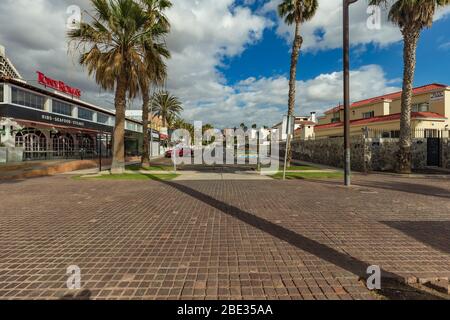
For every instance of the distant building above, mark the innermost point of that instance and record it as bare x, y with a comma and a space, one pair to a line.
159, 134
305, 130
300, 121
156, 122
7, 69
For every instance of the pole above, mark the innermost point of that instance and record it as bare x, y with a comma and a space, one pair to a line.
100, 152
258, 165
290, 120
175, 158
346, 49
151, 128
288, 142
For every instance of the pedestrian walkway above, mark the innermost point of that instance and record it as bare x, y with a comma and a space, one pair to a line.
228, 239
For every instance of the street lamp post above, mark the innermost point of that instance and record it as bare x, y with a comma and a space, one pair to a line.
346, 48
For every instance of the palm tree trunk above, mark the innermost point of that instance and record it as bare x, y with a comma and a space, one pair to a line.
410, 39
298, 40
145, 161
118, 161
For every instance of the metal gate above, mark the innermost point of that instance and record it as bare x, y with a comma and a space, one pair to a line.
433, 151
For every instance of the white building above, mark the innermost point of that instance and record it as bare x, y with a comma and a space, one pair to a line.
7, 69
300, 121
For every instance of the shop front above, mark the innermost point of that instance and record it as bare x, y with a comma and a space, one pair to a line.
39, 125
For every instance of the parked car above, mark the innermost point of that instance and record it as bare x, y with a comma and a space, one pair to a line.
181, 152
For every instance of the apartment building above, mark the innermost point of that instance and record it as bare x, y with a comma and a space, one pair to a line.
430, 113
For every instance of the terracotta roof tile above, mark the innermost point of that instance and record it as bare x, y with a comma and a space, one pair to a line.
390, 96
391, 117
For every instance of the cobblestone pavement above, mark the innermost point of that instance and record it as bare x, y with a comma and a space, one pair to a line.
219, 239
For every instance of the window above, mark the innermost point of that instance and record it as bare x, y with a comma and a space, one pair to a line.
61, 108
85, 114
367, 115
1, 93
28, 99
130, 126
102, 118
420, 107
336, 117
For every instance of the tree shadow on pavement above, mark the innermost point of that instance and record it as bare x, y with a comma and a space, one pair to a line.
339, 259
414, 188
433, 233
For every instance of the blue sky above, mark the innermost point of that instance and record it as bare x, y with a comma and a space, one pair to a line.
230, 58
271, 56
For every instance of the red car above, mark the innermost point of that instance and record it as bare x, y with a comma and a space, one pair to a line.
180, 152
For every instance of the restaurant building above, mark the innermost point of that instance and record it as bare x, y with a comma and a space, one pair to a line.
52, 122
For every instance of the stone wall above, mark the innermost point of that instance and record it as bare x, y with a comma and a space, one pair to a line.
445, 153
366, 154
328, 152
382, 154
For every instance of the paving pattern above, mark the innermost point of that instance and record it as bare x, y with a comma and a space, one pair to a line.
219, 239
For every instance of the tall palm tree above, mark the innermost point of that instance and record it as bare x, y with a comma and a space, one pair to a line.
154, 58
412, 16
112, 48
295, 12
166, 106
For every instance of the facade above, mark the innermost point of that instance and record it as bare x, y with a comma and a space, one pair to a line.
37, 124
305, 131
299, 122
430, 114
155, 122
159, 140
7, 69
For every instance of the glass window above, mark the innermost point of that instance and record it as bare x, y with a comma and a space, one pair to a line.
28, 99
102, 118
1, 93
85, 114
367, 115
61, 108
420, 107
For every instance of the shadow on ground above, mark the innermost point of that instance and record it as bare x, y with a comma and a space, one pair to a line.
414, 188
433, 233
339, 259
83, 295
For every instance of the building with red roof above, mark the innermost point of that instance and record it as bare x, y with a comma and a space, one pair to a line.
430, 112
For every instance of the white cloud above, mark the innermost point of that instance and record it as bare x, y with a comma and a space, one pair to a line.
203, 33
264, 100
324, 31
445, 46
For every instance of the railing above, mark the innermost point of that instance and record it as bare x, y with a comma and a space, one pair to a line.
395, 134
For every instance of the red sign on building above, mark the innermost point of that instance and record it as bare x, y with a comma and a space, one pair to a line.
58, 85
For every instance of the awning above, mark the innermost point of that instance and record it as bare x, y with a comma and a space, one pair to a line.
56, 126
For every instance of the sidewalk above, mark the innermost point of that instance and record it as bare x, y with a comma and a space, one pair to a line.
292, 239
34, 169
108, 167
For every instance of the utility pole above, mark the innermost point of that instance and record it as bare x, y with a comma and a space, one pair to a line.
346, 49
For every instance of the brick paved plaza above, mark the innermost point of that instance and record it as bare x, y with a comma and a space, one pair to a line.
220, 239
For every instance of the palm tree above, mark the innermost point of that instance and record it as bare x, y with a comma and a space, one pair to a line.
112, 48
166, 106
412, 16
157, 70
180, 123
295, 12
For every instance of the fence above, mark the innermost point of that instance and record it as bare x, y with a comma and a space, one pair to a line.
395, 134
375, 150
